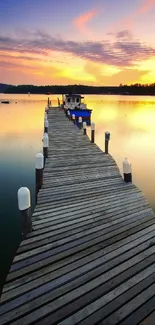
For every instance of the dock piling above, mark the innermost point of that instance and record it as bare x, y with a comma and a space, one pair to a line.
68, 114
46, 126
66, 110
84, 128
39, 172
80, 122
24, 205
73, 118
107, 138
127, 171
45, 146
92, 132
46, 110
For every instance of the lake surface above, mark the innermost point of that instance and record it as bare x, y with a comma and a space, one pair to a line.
130, 120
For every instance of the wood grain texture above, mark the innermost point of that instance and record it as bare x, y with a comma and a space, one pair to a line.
91, 256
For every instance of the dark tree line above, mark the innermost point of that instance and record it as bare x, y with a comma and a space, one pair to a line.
135, 89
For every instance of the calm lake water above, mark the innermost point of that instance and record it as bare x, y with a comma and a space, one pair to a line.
130, 120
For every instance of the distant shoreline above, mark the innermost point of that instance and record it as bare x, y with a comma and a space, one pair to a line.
99, 94
131, 90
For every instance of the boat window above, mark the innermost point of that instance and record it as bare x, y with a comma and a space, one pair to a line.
77, 100
68, 100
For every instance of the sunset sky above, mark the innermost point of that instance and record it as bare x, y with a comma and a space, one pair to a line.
93, 42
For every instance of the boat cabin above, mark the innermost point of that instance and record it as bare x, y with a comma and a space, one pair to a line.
74, 98
74, 101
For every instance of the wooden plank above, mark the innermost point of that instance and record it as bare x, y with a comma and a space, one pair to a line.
103, 306
83, 229
117, 302
75, 255
85, 200
72, 241
131, 306
58, 309
71, 248
83, 224
128, 240
87, 265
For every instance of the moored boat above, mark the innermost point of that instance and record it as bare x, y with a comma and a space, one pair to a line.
75, 104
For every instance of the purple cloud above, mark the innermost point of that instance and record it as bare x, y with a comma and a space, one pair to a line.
122, 52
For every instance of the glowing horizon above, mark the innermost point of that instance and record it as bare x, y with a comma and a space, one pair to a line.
93, 43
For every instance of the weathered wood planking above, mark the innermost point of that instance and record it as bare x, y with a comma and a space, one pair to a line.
91, 256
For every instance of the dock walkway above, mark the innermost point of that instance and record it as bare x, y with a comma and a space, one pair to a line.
91, 256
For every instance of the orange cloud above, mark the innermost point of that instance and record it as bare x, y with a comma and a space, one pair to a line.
82, 20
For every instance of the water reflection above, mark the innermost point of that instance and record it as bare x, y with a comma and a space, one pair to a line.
21, 129
131, 122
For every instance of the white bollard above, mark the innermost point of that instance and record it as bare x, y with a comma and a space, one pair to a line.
46, 124
80, 122
84, 128
24, 205
45, 119
45, 146
39, 172
127, 171
92, 132
73, 118
68, 114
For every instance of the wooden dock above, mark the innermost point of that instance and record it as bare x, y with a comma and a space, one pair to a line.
91, 256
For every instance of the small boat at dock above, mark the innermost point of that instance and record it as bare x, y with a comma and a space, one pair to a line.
74, 103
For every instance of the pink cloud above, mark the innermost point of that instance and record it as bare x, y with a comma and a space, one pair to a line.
81, 21
146, 6
128, 21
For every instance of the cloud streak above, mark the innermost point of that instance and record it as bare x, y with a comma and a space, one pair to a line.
124, 51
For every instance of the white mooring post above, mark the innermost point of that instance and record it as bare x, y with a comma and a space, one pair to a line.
107, 138
92, 132
39, 172
80, 122
127, 171
45, 146
68, 114
24, 205
46, 126
73, 118
84, 128
46, 109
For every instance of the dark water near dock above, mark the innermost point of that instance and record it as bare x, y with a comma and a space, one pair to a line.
130, 120
21, 129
